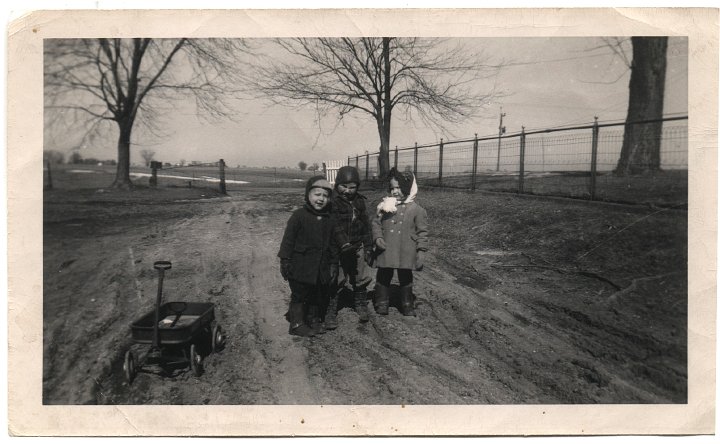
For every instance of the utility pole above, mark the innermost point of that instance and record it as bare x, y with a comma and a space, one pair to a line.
501, 131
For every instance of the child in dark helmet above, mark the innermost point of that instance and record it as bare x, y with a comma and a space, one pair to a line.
401, 239
308, 259
354, 236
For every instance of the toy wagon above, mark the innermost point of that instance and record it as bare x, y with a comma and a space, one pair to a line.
179, 334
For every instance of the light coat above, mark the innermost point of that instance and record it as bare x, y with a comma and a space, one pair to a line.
405, 233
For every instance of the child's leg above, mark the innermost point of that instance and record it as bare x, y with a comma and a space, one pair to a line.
316, 308
296, 313
364, 271
350, 263
407, 299
382, 290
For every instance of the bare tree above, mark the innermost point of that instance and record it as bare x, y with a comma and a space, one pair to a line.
127, 81
641, 142
427, 78
147, 156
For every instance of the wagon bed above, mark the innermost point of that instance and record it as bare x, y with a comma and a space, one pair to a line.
176, 326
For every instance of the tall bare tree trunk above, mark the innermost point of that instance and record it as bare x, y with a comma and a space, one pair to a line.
385, 111
641, 143
122, 176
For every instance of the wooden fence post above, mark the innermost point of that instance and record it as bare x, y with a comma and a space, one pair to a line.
415, 160
49, 183
593, 161
367, 165
357, 161
221, 165
521, 183
440, 171
474, 166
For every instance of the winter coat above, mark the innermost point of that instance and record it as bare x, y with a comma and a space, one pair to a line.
353, 224
405, 233
308, 243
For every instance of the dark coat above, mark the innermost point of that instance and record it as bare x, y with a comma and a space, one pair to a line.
308, 243
353, 223
405, 233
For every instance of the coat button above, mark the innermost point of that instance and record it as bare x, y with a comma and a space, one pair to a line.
391, 231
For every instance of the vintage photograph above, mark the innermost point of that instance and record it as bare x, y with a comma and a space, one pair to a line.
383, 220
541, 256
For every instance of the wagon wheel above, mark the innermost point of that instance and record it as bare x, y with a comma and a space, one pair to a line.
218, 339
195, 361
130, 366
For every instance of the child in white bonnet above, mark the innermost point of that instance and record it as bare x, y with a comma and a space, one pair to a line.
400, 236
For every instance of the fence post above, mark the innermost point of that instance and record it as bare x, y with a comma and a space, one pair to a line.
367, 165
440, 165
415, 160
474, 167
49, 183
396, 156
521, 184
221, 164
357, 161
593, 161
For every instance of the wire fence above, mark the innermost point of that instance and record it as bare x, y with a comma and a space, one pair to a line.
576, 162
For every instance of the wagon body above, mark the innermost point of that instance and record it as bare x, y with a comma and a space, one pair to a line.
174, 328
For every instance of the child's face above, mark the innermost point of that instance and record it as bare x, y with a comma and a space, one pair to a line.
395, 189
347, 189
318, 198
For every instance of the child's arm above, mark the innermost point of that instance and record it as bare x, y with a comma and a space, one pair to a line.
377, 233
421, 229
367, 235
287, 246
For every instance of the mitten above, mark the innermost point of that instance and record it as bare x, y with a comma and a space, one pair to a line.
286, 268
380, 243
420, 260
369, 256
334, 271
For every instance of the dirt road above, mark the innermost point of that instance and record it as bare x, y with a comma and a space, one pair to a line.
497, 323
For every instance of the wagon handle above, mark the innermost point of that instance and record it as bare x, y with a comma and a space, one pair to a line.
160, 266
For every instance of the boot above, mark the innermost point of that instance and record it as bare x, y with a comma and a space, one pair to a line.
407, 300
360, 297
331, 314
296, 313
314, 321
382, 299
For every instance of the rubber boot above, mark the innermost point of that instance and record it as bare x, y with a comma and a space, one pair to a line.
331, 314
407, 300
382, 299
314, 321
296, 313
361, 305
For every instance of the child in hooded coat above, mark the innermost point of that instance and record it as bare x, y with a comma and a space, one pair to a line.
308, 259
400, 234
354, 236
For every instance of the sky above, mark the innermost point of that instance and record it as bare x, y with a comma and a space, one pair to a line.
546, 82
